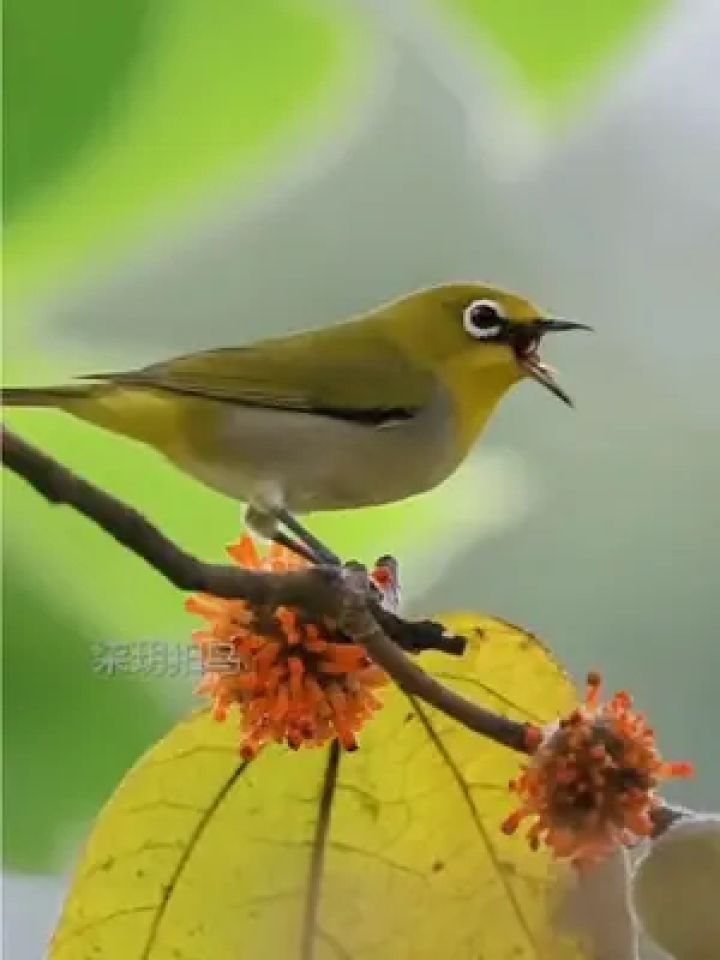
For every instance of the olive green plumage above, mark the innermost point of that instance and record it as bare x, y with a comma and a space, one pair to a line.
368, 411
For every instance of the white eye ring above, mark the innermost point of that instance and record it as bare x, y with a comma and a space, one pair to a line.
488, 329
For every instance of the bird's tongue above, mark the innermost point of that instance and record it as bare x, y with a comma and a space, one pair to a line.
536, 365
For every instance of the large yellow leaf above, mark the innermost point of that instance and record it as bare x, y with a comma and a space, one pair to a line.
393, 852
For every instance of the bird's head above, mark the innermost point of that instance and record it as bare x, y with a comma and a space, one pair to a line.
473, 329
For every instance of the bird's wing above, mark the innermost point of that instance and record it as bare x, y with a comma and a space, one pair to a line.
348, 371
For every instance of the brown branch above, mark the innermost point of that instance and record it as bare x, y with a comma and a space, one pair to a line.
358, 622
314, 590
61, 486
666, 816
342, 594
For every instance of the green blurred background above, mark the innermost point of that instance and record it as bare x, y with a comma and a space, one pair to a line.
181, 174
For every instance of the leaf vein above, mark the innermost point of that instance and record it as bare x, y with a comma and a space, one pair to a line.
184, 859
482, 832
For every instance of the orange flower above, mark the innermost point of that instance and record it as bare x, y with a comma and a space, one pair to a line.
292, 680
590, 784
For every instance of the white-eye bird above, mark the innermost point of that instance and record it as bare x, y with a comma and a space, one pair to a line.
368, 411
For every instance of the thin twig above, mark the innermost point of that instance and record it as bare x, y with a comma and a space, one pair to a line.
59, 485
314, 590
666, 816
341, 593
323, 590
357, 621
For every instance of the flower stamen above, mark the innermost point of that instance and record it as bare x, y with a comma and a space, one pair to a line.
591, 782
294, 681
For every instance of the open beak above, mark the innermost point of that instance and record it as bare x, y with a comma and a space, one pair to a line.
525, 340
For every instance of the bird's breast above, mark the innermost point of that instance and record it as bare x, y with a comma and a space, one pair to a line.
315, 462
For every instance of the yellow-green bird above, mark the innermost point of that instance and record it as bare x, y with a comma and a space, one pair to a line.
368, 411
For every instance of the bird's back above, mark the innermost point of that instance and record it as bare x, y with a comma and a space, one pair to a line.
352, 371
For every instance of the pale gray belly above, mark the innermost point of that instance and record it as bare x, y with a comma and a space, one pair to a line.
311, 463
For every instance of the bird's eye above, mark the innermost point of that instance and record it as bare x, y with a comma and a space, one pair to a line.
484, 319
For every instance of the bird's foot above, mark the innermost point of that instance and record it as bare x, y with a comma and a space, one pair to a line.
295, 546
312, 546
280, 526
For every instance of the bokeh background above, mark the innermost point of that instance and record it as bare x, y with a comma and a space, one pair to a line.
183, 174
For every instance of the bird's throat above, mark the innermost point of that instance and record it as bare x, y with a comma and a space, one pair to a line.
475, 393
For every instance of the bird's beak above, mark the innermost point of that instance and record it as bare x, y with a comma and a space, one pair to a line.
525, 341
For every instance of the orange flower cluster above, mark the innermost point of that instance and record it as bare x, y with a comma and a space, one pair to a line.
590, 785
292, 680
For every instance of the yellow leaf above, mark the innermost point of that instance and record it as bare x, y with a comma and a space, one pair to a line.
393, 852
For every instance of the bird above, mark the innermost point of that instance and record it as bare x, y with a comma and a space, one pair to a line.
367, 411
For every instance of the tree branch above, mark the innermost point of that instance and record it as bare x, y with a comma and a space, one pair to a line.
342, 594
314, 590
61, 486
357, 621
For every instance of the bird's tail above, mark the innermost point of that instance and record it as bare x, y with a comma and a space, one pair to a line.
145, 415
60, 397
